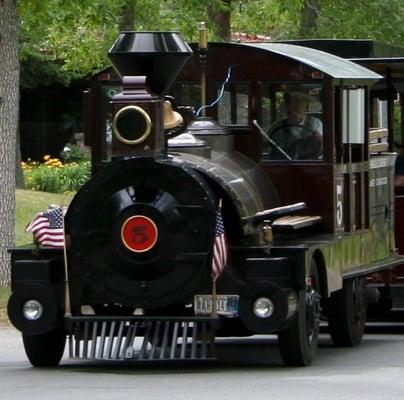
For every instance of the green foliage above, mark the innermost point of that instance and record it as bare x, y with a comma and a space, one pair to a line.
62, 40
74, 176
57, 179
270, 18
43, 178
381, 20
41, 69
75, 34
73, 152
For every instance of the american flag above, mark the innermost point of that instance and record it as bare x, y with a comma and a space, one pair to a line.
220, 251
47, 228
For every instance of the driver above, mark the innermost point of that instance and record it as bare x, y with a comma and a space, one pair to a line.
299, 135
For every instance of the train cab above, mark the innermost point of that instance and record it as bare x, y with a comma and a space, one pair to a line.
339, 166
386, 117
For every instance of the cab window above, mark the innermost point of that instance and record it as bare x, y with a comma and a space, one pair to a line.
233, 104
291, 118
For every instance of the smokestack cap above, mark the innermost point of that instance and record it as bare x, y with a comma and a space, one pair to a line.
160, 56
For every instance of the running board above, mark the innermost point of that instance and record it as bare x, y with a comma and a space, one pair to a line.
296, 222
141, 338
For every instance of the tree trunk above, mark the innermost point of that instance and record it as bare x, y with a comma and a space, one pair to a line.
127, 18
19, 175
9, 107
221, 20
309, 18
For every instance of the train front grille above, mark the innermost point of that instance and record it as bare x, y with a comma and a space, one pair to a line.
141, 338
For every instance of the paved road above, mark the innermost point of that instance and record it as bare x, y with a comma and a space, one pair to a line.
249, 369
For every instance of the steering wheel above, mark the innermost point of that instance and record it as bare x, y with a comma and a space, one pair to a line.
270, 141
287, 135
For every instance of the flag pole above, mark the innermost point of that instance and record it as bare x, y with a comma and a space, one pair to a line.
68, 310
203, 50
214, 298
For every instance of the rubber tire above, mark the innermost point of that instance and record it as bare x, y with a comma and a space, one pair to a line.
45, 350
346, 311
297, 346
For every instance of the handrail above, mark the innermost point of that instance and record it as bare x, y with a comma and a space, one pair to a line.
378, 140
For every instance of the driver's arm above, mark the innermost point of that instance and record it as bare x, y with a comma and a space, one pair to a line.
316, 128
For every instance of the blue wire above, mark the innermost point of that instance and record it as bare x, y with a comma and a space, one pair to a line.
220, 95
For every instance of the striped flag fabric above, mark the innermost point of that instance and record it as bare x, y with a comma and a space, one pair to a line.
220, 250
47, 228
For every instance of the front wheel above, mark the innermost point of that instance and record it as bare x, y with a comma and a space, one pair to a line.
45, 350
298, 342
346, 311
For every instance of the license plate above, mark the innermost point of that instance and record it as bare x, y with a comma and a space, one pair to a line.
226, 304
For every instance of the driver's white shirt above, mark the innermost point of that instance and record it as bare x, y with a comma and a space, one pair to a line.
287, 135
312, 124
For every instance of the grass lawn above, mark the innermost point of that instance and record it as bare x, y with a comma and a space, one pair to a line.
28, 203
4, 295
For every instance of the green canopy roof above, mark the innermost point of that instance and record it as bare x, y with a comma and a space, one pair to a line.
334, 66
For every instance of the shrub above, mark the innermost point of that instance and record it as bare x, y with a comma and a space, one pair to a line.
55, 177
74, 152
42, 178
74, 175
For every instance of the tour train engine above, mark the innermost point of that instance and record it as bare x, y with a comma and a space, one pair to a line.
169, 243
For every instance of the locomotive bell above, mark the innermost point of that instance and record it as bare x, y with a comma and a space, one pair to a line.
172, 119
149, 63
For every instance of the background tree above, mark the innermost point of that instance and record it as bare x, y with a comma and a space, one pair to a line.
381, 20
276, 19
309, 14
57, 37
219, 15
9, 96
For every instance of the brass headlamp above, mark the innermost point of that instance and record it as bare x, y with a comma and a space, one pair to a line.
131, 125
